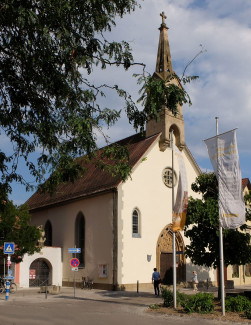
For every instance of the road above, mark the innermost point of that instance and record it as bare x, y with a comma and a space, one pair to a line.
88, 307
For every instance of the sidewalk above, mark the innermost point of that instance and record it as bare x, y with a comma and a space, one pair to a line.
145, 297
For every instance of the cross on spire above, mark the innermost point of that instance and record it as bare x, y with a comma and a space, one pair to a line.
163, 17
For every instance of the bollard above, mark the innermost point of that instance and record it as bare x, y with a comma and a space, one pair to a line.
137, 286
7, 290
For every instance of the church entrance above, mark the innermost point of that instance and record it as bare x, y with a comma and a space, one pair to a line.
165, 256
39, 273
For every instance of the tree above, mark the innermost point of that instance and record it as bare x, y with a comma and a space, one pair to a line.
15, 227
48, 104
202, 228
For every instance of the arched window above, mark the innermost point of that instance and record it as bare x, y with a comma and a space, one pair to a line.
80, 238
48, 233
135, 223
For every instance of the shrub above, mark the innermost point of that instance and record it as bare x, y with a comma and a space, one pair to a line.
180, 298
248, 312
238, 304
167, 296
199, 303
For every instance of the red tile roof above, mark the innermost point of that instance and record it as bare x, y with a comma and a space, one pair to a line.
95, 180
246, 182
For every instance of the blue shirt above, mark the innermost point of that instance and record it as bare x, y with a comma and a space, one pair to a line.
155, 276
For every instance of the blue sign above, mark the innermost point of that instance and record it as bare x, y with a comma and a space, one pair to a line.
74, 250
9, 248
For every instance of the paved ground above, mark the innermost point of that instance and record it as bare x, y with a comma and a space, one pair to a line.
92, 307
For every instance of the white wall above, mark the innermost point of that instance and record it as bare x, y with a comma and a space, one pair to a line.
146, 192
52, 255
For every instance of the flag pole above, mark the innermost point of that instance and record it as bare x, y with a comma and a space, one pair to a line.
174, 244
222, 289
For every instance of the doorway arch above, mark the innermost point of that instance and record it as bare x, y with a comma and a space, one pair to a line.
40, 273
164, 256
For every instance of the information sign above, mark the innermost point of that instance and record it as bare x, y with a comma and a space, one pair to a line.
9, 248
74, 250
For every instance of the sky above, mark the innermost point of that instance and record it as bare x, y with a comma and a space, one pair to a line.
222, 29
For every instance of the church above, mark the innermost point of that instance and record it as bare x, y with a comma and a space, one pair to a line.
123, 229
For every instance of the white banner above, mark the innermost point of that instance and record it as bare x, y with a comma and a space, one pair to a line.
223, 153
180, 207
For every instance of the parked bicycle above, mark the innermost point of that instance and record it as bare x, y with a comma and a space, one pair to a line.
13, 286
86, 283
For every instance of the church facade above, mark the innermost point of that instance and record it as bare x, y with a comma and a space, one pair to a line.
124, 229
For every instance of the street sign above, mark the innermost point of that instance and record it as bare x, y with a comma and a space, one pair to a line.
74, 262
74, 250
9, 248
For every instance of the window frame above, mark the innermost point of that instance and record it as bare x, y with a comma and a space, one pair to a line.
48, 233
138, 233
80, 238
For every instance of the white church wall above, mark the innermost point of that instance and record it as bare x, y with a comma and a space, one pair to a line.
98, 214
52, 256
146, 192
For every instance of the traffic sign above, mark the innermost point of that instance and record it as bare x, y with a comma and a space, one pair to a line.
74, 262
9, 248
74, 268
74, 250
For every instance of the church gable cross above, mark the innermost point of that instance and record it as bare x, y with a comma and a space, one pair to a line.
163, 17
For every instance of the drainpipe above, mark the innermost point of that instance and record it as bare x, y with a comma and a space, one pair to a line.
115, 240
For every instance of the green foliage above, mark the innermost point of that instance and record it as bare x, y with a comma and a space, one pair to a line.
14, 227
238, 304
154, 306
167, 296
48, 103
199, 303
248, 312
202, 228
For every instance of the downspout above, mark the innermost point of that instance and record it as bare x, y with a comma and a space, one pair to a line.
115, 240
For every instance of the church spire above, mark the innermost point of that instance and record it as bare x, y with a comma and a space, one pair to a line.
167, 120
164, 63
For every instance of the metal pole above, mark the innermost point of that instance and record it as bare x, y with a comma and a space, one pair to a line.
222, 289
74, 283
174, 246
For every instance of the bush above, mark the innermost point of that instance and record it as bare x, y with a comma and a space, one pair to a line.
248, 312
180, 298
238, 304
167, 296
199, 303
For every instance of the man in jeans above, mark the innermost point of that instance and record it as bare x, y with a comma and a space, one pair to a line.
156, 281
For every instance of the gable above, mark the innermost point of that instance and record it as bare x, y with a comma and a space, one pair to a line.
95, 180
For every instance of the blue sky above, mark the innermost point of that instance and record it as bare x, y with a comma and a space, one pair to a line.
224, 87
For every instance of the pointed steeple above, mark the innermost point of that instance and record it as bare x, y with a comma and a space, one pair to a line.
167, 121
164, 62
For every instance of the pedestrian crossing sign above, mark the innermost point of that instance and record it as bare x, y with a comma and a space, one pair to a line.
9, 248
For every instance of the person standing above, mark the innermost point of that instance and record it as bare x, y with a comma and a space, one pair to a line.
156, 281
195, 281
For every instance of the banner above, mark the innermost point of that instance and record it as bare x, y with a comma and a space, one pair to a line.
180, 207
223, 153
